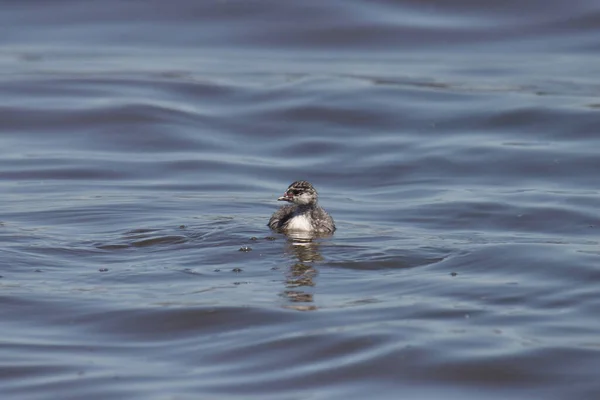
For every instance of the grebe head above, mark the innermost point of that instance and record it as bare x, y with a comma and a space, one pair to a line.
301, 193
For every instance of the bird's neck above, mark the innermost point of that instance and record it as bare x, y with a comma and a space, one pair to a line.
302, 208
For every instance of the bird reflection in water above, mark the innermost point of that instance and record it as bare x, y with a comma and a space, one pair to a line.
301, 274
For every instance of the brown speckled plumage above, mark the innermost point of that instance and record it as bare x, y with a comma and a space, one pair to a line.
304, 214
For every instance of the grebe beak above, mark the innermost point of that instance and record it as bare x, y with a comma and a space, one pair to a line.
287, 196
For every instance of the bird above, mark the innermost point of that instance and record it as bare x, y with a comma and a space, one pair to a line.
304, 214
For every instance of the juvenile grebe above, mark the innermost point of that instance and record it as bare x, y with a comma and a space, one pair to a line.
304, 214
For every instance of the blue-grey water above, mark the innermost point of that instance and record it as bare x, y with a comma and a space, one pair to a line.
143, 144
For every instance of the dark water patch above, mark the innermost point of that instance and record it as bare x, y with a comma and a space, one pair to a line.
113, 246
166, 240
186, 322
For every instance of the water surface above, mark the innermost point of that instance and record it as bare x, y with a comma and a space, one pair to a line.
144, 144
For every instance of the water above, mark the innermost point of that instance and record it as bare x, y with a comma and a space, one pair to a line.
144, 144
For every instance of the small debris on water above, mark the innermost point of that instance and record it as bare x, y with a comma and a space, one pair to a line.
38, 270
245, 249
237, 270
103, 270
182, 226
270, 237
453, 273
217, 270
253, 238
